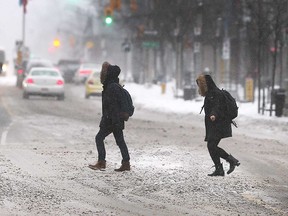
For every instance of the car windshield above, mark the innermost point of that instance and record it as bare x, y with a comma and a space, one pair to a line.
96, 75
39, 63
90, 65
69, 67
45, 73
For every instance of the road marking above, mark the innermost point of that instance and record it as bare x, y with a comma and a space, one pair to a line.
3, 137
5, 106
5, 132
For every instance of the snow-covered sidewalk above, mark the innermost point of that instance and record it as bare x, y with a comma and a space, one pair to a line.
151, 97
249, 121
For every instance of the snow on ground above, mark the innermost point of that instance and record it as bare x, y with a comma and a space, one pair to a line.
164, 175
8, 80
248, 120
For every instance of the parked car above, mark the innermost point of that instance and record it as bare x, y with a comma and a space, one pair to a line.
84, 71
3, 63
93, 86
68, 67
44, 82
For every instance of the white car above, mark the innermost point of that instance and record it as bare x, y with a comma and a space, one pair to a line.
44, 81
84, 72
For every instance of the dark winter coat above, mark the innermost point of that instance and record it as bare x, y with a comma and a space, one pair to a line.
111, 96
214, 105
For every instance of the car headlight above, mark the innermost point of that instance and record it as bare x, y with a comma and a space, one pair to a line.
4, 67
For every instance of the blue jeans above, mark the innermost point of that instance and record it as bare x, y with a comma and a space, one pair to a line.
118, 135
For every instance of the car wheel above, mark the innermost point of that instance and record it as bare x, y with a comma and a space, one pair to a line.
25, 95
60, 97
87, 96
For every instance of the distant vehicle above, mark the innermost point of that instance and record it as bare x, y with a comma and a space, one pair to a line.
36, 62
93, 86
4, 69
3, 63
68, 67
44, 82
84, 71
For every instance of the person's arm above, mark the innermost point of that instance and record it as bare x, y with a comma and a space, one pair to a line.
114, 108
215, 106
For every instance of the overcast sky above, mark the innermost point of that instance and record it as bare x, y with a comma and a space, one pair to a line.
10, 24
42, 19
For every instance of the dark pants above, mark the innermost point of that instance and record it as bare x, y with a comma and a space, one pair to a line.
215, 152
118, 135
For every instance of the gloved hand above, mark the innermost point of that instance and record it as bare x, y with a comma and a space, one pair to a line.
212, 118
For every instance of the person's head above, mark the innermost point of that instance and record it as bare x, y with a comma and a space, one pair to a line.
109, 73
202, 85
103, 73
205, 83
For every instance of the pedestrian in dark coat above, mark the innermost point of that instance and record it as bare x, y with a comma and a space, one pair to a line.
217, 125
111, 122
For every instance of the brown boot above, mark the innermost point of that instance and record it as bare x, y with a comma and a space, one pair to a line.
100, 165
125, 166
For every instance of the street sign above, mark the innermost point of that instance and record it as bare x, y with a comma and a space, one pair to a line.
226, 49
151, 32
150, 44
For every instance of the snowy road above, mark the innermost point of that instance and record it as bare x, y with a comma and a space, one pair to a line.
47, 144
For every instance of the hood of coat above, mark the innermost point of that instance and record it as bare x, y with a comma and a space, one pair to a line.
103, 73
205, 84
109, 73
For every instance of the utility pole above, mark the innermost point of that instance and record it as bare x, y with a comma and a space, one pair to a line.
23, 3
197, 49
226, 46
177, 63
23, 27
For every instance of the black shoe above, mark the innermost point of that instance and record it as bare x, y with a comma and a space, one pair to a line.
219, 171
233, 163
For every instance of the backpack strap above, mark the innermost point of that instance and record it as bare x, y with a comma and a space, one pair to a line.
121, 86
234, 123
202, 109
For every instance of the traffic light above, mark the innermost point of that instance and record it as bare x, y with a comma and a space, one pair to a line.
19, 57
24, 3
56, 43
108, 15
133, 5
115, 4
108, 20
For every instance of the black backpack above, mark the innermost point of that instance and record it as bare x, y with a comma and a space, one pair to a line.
230, 106
127, 108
